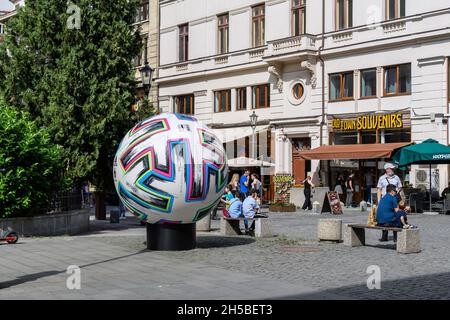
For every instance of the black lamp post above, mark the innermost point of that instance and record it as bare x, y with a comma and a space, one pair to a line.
146, 77
253, 123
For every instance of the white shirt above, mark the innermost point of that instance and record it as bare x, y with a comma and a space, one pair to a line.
385, 180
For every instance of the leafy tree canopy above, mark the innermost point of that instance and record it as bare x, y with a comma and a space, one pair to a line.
30, 165
78, 83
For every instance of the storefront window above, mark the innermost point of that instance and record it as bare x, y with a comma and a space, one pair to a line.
396, 135
345, 138
368, 137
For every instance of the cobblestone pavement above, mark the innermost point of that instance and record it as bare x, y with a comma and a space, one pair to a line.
292, 265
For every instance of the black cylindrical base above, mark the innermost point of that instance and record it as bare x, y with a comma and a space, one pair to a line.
171, 237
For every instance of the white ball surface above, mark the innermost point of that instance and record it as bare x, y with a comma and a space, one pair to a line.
170, 169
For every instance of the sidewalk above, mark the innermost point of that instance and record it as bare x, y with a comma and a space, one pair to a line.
116, 265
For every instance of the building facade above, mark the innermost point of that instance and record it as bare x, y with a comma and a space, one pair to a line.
6, 15
147, 21
372, 73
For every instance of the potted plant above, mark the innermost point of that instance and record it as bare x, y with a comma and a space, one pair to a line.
281, 207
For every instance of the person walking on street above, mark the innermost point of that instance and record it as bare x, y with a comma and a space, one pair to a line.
122, 211
368, 177
340, 191
350, 190
308, 186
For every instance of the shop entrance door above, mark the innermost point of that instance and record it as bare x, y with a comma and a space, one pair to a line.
300, 167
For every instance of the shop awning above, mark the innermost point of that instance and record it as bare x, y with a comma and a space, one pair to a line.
353, 151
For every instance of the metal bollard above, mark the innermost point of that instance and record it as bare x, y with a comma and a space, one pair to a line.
114, 216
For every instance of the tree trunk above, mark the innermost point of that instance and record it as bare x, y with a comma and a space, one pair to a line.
100, 208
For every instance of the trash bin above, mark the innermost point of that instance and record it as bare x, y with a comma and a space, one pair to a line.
114, 216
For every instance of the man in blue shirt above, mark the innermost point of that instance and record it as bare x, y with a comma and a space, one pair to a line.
244, 183
249, 208
386, 210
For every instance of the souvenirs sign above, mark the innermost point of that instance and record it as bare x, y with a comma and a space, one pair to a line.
369, 122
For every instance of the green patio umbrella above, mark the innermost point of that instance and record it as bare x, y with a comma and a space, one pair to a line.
428, 152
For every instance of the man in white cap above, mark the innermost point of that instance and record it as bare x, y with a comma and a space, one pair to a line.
386, 179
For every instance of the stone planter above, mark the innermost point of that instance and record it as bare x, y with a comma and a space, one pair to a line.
278, 208
329, 230
70, 223
204, 224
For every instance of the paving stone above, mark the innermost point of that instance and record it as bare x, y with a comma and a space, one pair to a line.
116, 265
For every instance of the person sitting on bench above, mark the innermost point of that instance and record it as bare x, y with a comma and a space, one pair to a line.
401, 216
387, 208
226, 198
445, 192
249, 209
235, 207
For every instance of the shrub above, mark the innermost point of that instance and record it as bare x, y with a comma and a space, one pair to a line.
30, 165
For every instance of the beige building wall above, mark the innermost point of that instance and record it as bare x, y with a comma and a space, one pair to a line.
149, 29
153, 49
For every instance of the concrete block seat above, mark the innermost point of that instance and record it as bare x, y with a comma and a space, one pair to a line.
408, 240
329, 230
231, 226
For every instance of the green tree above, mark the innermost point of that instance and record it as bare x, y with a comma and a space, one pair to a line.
76, 80
30, 165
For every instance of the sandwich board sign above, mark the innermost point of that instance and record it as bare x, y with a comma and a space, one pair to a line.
332, 203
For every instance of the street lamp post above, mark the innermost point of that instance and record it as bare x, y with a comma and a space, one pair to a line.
253, 123
146, 77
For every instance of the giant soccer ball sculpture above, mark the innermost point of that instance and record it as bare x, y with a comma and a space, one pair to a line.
170, 169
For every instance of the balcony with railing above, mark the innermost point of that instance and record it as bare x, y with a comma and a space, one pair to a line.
384, 33
252, 57
287, 48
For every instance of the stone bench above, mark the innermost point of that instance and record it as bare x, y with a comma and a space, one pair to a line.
231, 226
408, 240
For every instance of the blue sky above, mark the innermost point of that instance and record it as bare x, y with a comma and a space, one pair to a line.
6, 5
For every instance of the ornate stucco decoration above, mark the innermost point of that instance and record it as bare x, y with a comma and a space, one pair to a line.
276, 70
311, 67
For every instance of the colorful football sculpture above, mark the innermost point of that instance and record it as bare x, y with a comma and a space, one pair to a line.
170, 169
